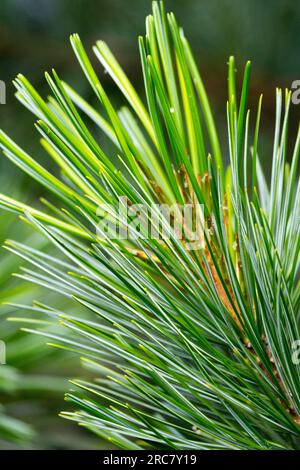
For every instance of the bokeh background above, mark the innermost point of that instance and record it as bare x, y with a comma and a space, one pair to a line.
34, 37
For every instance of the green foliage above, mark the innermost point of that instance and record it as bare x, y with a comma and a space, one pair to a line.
31, 389
21, 350
191, 349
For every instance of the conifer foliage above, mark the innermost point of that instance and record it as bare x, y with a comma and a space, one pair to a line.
190, 348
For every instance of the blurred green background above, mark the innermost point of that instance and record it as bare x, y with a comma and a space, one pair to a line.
34, 38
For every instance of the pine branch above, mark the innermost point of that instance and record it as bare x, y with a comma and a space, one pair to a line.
191, 348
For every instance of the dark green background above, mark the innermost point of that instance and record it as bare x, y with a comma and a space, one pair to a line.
34, 38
